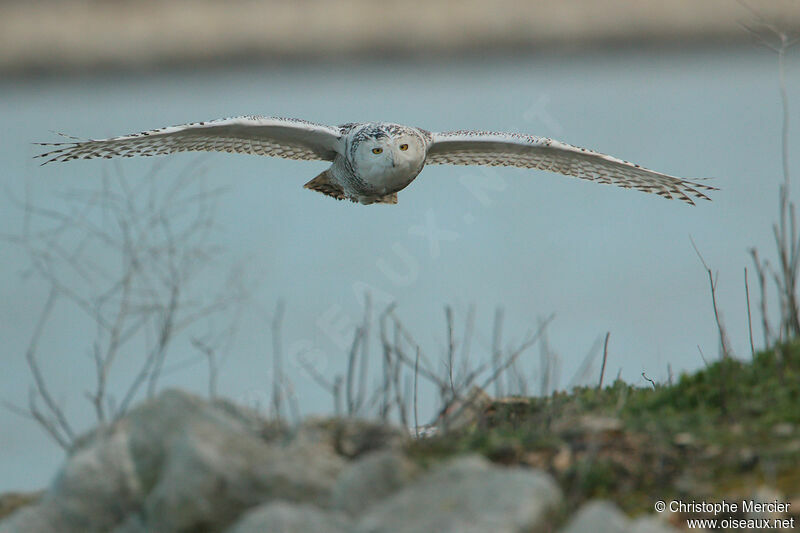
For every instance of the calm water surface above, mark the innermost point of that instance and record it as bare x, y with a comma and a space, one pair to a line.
600, 258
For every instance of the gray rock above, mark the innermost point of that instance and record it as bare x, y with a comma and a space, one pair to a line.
468, 495
133, 524
598, 516
95, 489
602, 516
766, 494
212, 476
178, 463
371, 479
651, 524
285, 517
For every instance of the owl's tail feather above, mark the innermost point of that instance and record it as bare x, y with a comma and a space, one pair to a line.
323, 184
388, 199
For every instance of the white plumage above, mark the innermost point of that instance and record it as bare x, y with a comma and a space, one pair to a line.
372, 161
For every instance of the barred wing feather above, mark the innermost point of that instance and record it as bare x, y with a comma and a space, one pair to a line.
527, 151
269, 136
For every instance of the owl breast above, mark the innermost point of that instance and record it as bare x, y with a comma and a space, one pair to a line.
388, 178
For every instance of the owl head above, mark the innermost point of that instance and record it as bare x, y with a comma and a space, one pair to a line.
381, 152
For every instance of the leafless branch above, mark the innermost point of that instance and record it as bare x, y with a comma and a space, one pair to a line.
762, 287
386, 387
605, 357
749, 316
416, 411
723, 337
530, 341
548, 361
497, 351
399, 400
466, 344
584, 370
366, 327
54, 421
451, 350
771, 35
358, 338
278, 378
158, 243
213, 371
702, 355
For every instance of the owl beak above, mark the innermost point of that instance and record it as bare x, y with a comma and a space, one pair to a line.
392, 158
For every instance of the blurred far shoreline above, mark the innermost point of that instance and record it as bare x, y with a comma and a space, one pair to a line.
57, 36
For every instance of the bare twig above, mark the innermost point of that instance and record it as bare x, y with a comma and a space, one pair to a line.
366, 327
548, 361
213, 371
702, 355
386, 387
762, 287
653, 383
358, 337
424, 369
416, 411
165, 335
159, 242
497, 351
605, 357
277, 361
334, 388
425, 366
582, 373
497, 370
723, 337
749, 316
530, 341
55, 422
785, 232
451, 349
466, 342
400, 402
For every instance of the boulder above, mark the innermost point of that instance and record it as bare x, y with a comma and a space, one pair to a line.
285, 517
598, 516
178, 463
602, 516
468, 495
370, 479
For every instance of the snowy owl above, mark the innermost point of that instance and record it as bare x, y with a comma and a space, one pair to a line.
372, 161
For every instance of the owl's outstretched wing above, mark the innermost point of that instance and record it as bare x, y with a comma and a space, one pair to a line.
279, 137
516, 150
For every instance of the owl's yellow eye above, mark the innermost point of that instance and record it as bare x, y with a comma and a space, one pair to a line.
404, 147
377, 150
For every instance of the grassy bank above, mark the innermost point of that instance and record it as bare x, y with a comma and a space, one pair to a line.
716, 434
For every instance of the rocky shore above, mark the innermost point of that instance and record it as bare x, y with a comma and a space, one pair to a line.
585, 461
179, 463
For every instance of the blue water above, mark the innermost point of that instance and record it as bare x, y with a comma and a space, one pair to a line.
600, 258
